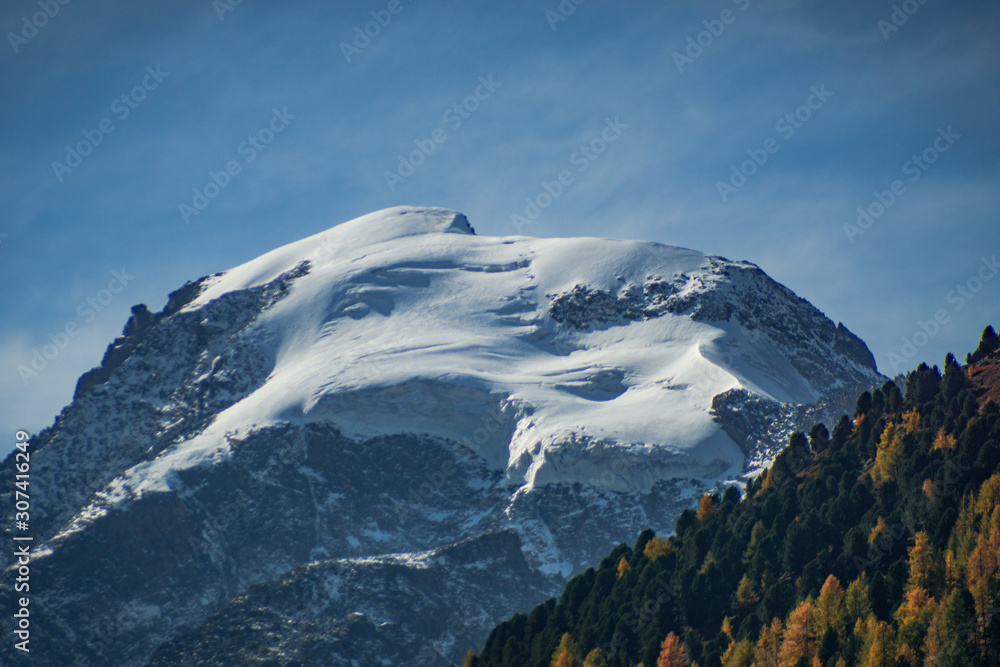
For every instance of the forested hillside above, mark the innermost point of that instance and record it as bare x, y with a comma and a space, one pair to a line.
876, 544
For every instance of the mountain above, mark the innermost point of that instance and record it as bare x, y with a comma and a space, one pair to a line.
876, 545
310, 457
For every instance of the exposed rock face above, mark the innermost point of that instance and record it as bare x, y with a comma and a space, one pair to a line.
324, 455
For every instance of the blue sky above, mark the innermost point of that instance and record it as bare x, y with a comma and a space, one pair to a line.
200, 77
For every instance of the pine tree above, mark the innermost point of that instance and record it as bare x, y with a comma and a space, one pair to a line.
954, 380
988, 344
819, 438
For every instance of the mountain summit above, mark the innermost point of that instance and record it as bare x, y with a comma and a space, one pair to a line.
316, 454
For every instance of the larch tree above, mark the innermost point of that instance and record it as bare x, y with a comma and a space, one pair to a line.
829, 611
672, 652
889, 454
879, 651
706, 507
768, 648
566, 654
922, 562
622, 566
857, 601
798, 641
595, 659
944, 440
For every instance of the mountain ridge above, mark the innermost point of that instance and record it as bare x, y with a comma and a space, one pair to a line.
562, 389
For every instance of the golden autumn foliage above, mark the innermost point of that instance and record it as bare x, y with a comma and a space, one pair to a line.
944, 440
922, 559
739, 654
916, 602
857, 601
988, 498
911, 421
877, 531
829, 610
566, 654
672, 652
878, 649
746, 594
706, 507
928, 489
889, 454
622, 566
768, 648
798, 641
952, 574
656, 547
595, 659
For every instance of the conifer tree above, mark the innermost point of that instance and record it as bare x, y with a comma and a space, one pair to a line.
706, 507
798, 641
768, 648
988, 344
879, 647
889, 455
830, 610
566, 654
954, 380
672, 652
856, 601
595, 659
622, 566
922, 558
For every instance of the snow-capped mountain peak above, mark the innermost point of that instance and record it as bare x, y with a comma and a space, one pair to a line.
397, 384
